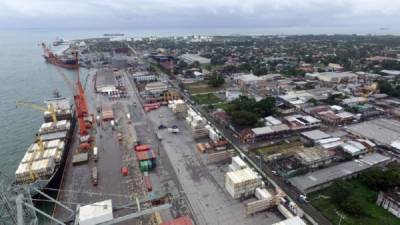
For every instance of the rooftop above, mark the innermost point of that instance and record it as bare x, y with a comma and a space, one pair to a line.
382, 131
314, 179
249, 78
270, 129
104, 78
315, 135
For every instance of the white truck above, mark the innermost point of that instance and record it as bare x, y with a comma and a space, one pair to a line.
95, 155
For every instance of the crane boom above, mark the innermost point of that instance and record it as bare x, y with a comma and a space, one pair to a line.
77, 90
32, 105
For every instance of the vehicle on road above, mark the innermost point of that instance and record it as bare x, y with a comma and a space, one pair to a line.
95, 154
162, 126
94, 176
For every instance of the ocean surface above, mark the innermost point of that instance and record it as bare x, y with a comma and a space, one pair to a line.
24, 75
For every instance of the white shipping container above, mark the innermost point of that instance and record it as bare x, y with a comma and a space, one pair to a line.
52, 127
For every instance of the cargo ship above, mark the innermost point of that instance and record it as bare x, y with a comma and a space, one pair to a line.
70, 62
58, 41
43, 164
113, 34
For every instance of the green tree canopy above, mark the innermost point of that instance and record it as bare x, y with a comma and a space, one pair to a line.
216, 80
244, 118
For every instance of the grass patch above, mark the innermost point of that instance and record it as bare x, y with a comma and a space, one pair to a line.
209, 98
373, 214
200, 88
283, 148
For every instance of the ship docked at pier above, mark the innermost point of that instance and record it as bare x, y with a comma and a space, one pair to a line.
43, 163
67, 62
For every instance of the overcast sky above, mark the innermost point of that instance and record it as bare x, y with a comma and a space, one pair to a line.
198, 13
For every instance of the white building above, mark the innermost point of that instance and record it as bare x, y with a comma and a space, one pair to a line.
337, 77
191, 58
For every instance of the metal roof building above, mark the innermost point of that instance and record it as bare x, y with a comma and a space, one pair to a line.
381, 131
325, 177
105, 81
315, 135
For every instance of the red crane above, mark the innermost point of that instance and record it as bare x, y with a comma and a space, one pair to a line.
81, 105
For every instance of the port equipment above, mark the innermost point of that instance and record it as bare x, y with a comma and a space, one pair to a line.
78, 91
17, 208
32, 105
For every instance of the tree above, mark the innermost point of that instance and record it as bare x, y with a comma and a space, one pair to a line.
244, 103
339, 191
352, 205
313, 101
195, 64
182, 64
244, 118
216, 80
266, 106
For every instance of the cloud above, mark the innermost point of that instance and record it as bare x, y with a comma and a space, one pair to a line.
196, 13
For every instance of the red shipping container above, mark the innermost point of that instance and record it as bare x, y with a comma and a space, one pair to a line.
145, 155
152, 105
184, 220
141, 148
125, 171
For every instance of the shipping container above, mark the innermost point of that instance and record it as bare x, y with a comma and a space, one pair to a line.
80, 158
124, 171
184, 220
141, 148
146, 155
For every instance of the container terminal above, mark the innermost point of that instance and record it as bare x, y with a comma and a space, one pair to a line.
142, 153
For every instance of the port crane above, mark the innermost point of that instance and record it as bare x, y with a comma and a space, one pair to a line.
32, 105
81, 106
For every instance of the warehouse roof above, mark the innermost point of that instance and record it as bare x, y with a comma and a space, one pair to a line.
314, 179
382, 131
104, 78
315, 135
270, 129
